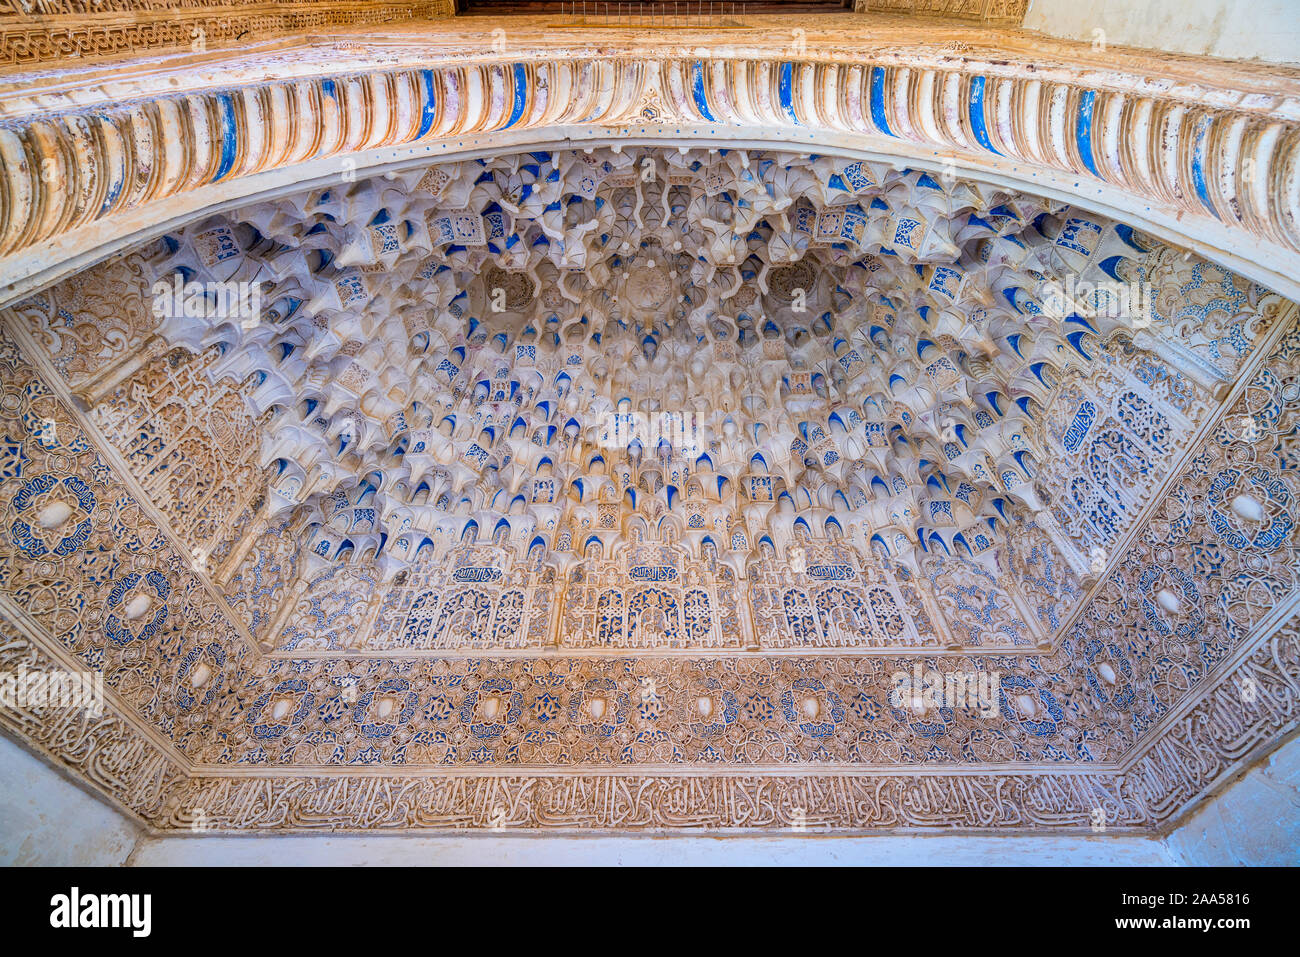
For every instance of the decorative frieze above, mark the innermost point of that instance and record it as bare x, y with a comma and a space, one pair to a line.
48, 32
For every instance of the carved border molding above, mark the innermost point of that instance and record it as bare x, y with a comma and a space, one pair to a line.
107, 753
1215, 166
1165, 785
59, 30
998, 11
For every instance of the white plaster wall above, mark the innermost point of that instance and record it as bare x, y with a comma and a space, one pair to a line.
46, 819
1235, 29
1256, 821
652, 851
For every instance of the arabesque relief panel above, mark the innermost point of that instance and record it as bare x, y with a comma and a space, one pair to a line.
408, 549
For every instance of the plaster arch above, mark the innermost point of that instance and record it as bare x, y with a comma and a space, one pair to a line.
1212, 164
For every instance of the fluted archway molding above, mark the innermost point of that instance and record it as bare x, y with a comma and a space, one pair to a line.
1208, 159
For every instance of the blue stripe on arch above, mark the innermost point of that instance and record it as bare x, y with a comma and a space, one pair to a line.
1083, 130
977, 114
114, 191
697, 91
521, 93
785, 90
1198, 164
878, 101
430, 111
229, 135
